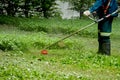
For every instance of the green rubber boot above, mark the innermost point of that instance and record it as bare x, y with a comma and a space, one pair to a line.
106, 48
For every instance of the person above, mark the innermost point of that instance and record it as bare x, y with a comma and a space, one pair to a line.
103, 8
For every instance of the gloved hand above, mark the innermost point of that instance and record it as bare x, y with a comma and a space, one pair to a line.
86, 13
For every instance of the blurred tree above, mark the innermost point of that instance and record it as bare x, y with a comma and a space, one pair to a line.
47, 8
10, 6
27, 7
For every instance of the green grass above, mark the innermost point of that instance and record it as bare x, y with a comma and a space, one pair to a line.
75, 59
55, 26
59, 65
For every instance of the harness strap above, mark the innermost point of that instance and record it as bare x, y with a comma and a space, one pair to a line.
106, 7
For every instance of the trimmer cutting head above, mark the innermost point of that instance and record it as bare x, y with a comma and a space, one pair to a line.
44, 51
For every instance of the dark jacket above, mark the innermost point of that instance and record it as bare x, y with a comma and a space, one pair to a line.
98, 7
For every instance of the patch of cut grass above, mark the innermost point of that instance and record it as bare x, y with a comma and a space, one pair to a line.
59, 64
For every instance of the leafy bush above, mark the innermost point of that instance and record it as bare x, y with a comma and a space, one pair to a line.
9, 20
55, 25
8, 43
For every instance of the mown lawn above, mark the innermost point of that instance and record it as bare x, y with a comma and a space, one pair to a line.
76, 59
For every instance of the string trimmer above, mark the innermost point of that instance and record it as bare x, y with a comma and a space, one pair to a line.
44, 51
